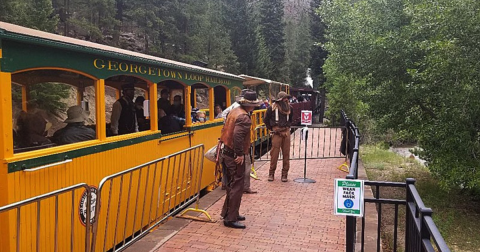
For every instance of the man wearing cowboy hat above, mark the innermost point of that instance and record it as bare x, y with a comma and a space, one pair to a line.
124, 118
236, 139
278, 120
75, 131
248, 156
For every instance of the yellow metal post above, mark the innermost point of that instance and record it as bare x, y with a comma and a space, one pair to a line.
229, 98
194, 98
24, 97
117, 94
153, 107
211, 101
188, 106
6, 127
100, 104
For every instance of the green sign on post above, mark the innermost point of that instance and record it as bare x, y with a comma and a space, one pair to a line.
349, 197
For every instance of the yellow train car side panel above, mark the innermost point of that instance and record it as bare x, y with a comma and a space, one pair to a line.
91, 169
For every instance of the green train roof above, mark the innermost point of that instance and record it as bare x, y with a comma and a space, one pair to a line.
16, 43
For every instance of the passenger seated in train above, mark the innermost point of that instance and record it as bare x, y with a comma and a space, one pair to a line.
167, 123
163, 103
199, 117
218, 111
142, 121
294, 99
301, 99
32, 130
124, 118
75, 131
177, 108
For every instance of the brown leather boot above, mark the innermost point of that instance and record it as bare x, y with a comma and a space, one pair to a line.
270, 177
284, 178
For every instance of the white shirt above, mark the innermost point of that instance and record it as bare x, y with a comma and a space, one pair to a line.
227, 110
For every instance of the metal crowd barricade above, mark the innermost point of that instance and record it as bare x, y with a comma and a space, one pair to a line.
324, 142
38, 229
136, 200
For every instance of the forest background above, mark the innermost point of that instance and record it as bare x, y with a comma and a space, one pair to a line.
407, 71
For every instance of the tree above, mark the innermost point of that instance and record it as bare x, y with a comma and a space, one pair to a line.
414, 67
36, 14
240, 21
318, 52
272, 30
298, 43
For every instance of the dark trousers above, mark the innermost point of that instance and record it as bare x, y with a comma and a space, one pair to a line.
235, 175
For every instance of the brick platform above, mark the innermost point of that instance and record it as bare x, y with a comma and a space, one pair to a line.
281, 217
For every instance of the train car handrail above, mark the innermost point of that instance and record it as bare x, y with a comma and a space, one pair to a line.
47, 165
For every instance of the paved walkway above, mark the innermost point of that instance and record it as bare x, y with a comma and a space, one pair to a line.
281, 217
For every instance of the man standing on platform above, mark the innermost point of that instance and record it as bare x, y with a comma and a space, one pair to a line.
236, 139
248, 157
278, 120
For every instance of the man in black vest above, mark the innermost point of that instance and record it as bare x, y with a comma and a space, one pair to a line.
124, 119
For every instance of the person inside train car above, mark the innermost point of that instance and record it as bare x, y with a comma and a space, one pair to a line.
218, 111
124, 118
234, 105
75, 131
278, 120
32, 130
163, 102
167, 123
236, 141
177, 108
293, 99
248, 157
199, 117
142, 121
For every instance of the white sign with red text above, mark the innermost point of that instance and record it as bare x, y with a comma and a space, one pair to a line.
307, 117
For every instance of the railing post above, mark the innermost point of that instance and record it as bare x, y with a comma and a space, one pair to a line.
408, 216
350, 229
424, 232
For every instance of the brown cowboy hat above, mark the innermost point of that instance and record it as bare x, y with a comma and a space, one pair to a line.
240, 96
250, 99
281, 95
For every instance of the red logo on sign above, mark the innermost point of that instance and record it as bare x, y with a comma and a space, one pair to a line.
306, 117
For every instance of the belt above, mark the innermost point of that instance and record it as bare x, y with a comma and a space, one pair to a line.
228, 152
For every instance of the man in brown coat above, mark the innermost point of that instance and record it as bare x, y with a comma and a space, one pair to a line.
236, 140
278, 120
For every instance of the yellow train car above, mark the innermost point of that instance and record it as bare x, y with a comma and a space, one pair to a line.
34, 67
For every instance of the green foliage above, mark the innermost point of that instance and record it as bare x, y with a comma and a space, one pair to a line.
298, 42
36, 14
318, 52
272, 31
412, 66
48, 96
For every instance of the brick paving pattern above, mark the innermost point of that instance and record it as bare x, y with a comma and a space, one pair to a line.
281, 217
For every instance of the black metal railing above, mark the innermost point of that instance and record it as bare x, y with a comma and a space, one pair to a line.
421, 233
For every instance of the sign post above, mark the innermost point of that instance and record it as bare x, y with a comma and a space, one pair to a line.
306, 120
349, 197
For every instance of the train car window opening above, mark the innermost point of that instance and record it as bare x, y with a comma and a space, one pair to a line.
220, 100
47, 109
124, 99
171, 107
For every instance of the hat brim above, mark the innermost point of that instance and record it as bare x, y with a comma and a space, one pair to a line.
248, 103
74, 120
279, 99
